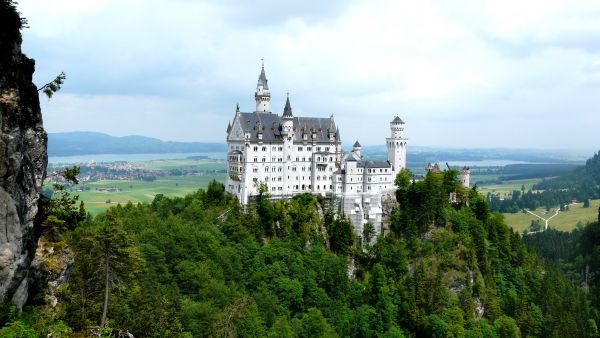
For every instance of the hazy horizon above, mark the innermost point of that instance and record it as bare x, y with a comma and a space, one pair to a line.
508, 75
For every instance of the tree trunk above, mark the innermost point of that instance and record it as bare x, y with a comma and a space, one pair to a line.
105, 306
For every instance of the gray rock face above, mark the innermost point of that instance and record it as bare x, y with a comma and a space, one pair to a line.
23, 160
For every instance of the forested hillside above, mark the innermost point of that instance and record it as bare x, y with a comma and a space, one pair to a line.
201, 266
576, 253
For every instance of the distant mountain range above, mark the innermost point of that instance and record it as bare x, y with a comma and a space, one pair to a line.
88, 143
93, 143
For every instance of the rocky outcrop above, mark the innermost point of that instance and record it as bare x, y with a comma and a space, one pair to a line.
23, 159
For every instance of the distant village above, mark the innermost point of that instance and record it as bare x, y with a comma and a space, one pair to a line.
96, 171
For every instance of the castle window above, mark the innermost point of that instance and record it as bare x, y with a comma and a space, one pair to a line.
326, 148
255, 148
309, 148
299, 148
264, 148
255, 159
264, 159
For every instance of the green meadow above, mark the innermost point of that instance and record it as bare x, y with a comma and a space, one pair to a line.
565, 220
186, 164
138, 191
507, 187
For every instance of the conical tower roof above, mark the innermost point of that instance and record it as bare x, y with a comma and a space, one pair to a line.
262, 79
287, 110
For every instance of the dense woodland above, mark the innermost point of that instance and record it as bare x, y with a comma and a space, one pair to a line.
201, 266
582, 184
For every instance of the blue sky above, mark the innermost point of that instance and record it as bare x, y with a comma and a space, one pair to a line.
513, 74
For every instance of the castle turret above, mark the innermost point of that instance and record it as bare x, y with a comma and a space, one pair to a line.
287, 124
288, 119
396, 145
262, 96
465, 177
356, 149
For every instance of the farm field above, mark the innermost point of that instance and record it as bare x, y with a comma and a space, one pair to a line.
507, 187
197, 164
138, 191
565, 220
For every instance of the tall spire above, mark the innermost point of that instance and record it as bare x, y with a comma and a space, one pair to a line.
262, 78
287, 110
262, 96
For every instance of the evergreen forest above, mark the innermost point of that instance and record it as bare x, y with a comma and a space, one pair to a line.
202, 266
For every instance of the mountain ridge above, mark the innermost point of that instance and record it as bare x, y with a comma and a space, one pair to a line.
87, 142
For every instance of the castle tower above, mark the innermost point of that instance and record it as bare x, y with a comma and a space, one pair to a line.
465, 177
356, 148
288, 141
396, 145
262, 96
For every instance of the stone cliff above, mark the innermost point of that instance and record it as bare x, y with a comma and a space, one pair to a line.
23, 159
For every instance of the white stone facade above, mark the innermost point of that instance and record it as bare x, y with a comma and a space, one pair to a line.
293, 155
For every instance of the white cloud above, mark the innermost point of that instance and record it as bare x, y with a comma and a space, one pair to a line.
456, 71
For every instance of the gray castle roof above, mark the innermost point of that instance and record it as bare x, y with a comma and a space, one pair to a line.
262, 79
356, 144
373, 164
271, 127
397, 119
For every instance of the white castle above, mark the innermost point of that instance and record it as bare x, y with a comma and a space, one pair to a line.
294, 155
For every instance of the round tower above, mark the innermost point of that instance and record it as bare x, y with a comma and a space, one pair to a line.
465, 177
396, 145
262, 96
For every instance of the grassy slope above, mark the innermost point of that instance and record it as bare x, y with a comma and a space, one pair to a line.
565, 221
